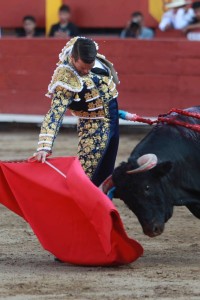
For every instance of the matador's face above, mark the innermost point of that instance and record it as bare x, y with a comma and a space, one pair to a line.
81, 67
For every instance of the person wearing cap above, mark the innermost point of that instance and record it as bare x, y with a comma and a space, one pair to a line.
178, 15
85, 83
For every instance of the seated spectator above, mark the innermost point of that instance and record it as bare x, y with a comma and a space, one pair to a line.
64, 28
144, 32
178, 16
195, 24
29, 29
133, 31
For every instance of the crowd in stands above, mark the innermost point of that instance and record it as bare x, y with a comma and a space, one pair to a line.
63, 29
183, 16
179, 15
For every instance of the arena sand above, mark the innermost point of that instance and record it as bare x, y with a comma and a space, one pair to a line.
169, 269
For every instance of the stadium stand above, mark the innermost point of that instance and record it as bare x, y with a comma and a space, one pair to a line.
85, 16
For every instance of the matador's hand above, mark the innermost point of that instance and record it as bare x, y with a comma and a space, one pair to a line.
127, 116
40, 156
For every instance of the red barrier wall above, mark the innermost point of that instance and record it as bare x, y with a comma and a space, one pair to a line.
155, 75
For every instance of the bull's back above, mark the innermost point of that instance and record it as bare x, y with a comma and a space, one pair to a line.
172, 142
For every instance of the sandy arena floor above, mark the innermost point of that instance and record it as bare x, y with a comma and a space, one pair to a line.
169, 269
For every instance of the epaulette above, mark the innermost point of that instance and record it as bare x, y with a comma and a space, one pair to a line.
66, 77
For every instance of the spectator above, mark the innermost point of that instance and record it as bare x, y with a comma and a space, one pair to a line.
29, 29
178, 16
195, 24
133, 31
64, 28
144, 32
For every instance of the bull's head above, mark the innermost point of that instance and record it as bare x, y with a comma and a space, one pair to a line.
141, 184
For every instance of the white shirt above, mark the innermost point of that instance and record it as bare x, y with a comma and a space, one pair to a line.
177, 20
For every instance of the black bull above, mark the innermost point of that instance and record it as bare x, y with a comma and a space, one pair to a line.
173, 179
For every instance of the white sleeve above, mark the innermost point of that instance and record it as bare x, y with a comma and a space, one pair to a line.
183, 18
165, 21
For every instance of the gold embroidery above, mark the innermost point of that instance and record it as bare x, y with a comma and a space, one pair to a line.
53, 119
88, 96
76, 98
107, 96
105, 79
104, 88
93, 137
89, 115
91, 105
95, 93
112, 85
89, 82
66, 77
96, 104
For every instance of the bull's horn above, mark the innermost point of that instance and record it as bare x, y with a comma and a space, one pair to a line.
145, 162
107, 184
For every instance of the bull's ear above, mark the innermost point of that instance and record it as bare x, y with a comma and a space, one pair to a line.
163, 169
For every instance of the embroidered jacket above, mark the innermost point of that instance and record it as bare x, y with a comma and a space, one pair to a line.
84, 96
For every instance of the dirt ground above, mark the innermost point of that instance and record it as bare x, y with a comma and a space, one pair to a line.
169, 269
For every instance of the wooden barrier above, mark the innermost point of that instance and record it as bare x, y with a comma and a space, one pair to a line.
155, 75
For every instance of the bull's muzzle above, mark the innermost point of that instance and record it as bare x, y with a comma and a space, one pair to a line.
154, 230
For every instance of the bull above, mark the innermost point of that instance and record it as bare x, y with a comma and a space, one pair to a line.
162, 171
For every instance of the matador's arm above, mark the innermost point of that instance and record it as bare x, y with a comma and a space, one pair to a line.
53, 119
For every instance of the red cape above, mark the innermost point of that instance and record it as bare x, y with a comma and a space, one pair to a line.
70, 216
